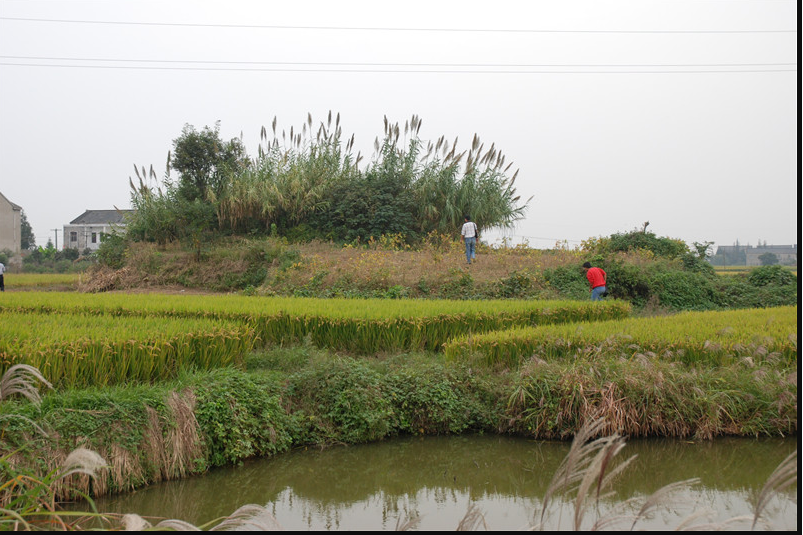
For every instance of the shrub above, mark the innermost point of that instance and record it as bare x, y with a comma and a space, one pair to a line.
240, 416
340, 400
638, 239
516, 285
569, 281
681, 290
764, 275
111, 252
628, 282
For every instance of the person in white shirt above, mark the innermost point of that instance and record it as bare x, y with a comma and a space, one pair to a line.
469, 233
2, 284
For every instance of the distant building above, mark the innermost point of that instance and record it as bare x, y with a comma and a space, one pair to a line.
86, 230
747, 255
10, 225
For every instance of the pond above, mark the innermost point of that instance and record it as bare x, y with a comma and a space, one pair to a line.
436, 479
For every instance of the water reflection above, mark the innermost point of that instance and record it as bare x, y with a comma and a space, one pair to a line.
374, 486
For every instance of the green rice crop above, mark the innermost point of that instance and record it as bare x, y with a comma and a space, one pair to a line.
712, 337
80, 350
41, 280
360, 325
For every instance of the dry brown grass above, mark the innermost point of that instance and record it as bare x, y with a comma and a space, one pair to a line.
432, 264
376, 265
171, 445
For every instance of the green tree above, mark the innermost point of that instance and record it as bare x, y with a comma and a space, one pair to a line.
641, 239
27, 241
204, 161
378, 201
702, 250
768, 259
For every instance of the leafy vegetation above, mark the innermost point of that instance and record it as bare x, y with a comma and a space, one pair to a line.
303, 396
311, 186
30, 501
389, 267
48, 259
27, 239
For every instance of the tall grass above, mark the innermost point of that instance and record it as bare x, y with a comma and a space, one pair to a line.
588, 474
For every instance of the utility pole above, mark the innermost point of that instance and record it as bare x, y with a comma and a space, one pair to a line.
57, 237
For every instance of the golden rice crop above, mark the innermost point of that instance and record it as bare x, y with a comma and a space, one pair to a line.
712, 337
80, 350
361, 325
39, 280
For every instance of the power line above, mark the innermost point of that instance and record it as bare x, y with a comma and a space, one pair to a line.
388, 64
385, 71
385, 28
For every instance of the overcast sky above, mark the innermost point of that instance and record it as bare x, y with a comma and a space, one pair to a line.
616, 112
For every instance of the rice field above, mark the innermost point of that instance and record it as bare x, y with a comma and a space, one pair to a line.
357, 325
77, 350
41, 280
99, 339
712, 338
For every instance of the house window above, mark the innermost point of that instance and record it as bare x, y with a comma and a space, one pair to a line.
94, 237
73, 236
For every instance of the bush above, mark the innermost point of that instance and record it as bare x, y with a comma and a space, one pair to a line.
764, 275
69, 254
240, 416
762, 289
642, 240
111, 252
340, 400
681, 290
432, 399
628, 282
570, 281
516, 285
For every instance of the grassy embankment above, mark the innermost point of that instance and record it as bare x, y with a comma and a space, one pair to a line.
299, 391
436, 269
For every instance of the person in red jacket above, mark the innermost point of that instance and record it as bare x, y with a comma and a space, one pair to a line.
598, 278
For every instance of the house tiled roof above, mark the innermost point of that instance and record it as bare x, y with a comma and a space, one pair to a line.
776, 249
101, 217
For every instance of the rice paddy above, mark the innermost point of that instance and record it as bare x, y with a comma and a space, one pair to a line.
380, 368
711, 338
356, 325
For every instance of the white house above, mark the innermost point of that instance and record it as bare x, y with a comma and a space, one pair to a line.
85, 231
10, 225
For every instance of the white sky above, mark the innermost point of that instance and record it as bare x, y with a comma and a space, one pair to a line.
680, 113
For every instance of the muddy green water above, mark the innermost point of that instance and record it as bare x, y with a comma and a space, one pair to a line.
436, 479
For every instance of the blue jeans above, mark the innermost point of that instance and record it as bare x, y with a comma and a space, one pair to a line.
471, 243
596, 293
